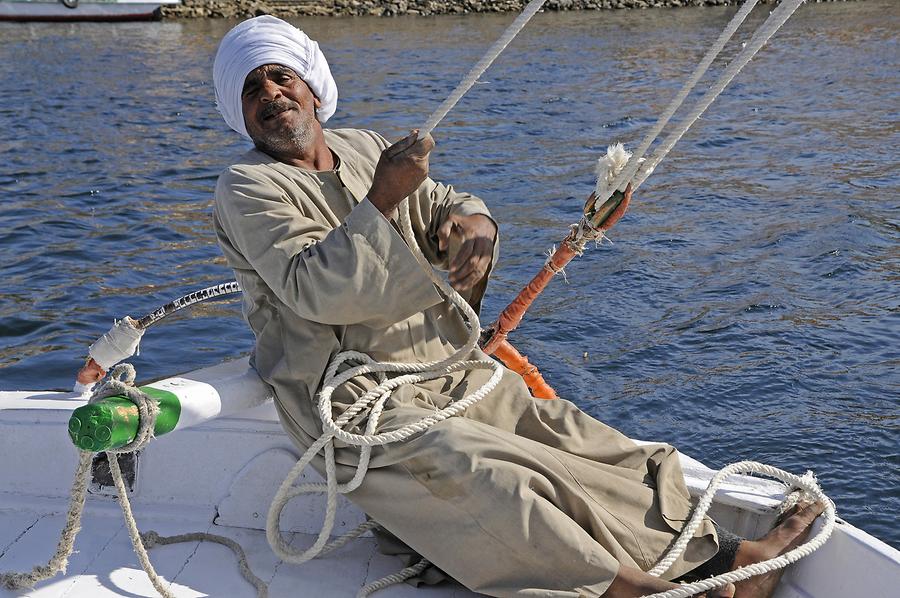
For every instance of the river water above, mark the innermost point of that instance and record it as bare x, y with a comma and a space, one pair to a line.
747, 308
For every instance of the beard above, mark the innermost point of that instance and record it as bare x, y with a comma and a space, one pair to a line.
289, 139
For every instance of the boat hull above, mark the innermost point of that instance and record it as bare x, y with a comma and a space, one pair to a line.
220, 476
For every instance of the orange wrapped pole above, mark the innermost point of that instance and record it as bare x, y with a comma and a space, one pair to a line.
596, 221
511, 316
518, 363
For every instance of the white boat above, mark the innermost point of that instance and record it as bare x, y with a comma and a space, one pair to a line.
81, 10
220, 476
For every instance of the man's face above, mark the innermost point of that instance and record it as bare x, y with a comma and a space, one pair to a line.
279, 110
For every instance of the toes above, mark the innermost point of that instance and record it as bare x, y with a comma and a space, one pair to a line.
788, 514
802, 515
725, 592
819, 507
809, 511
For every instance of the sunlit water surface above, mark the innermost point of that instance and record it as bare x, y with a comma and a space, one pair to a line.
748, 308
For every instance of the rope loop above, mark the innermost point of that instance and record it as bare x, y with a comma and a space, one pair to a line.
124, 373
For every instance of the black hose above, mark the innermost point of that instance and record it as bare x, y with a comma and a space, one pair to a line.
226, 288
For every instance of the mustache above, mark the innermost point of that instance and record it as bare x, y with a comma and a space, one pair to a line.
275, 108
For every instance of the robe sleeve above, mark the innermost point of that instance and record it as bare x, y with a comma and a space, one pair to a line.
360, 272
429, 207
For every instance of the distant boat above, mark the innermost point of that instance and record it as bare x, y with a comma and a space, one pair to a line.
81, 10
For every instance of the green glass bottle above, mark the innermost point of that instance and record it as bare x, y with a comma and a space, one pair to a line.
113, 422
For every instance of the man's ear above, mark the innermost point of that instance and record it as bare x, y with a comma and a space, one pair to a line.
317, 102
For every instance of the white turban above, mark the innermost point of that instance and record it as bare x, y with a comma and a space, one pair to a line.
268, 40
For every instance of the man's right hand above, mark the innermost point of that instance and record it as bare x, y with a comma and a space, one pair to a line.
400, 170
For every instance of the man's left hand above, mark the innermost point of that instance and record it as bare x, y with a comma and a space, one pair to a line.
476, 234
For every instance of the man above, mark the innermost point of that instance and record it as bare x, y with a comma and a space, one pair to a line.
515, 497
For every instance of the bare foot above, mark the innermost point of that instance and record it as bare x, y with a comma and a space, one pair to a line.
789, 534
633, 583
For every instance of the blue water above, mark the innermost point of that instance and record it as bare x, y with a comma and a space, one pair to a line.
747, 309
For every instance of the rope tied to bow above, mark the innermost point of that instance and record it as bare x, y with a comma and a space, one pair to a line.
120, 383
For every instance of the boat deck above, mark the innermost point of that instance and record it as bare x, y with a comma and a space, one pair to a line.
104, 564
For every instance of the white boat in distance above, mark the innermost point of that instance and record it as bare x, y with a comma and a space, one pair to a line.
81, 10
221, 475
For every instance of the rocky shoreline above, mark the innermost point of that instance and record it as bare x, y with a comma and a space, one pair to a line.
388, 8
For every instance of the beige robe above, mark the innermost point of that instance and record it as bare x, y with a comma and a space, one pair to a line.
516, 497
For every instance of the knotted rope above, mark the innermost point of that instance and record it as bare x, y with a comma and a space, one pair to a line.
121, 383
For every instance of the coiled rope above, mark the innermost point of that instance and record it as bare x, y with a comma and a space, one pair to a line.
409, 373
373, 402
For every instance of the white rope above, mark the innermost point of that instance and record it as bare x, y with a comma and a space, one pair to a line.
136, 540
760, 37
806, 483
676, 103
372, 401
472, 76
118, 384
409, 373
638, 168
